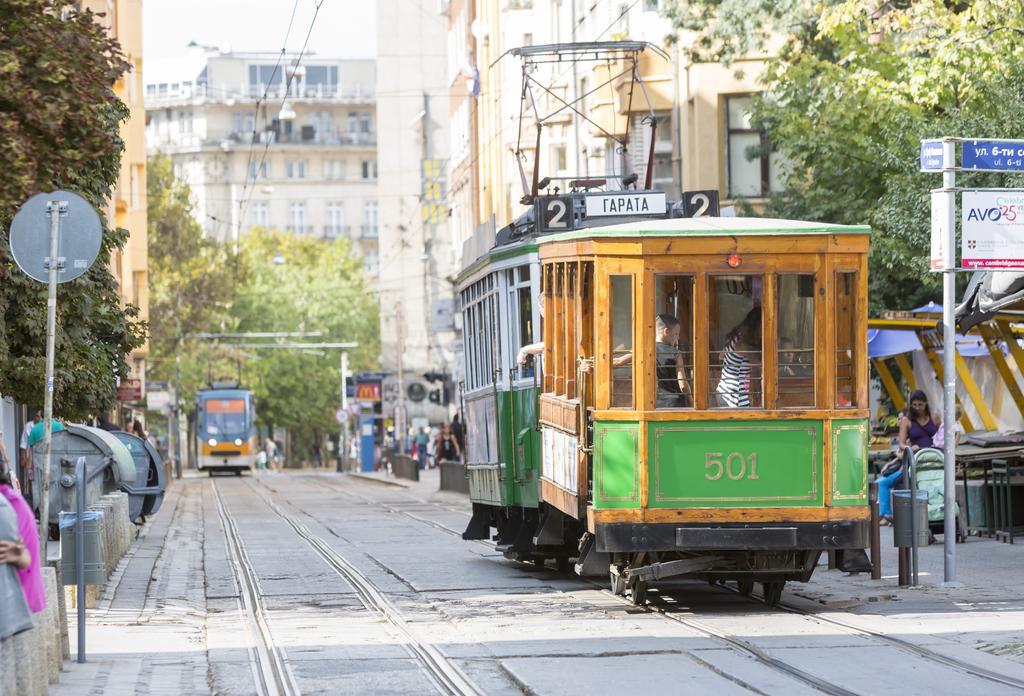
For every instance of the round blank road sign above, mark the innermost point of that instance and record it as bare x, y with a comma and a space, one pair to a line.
78, 242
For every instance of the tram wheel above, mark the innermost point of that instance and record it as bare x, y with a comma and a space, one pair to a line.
210, 472
562, 564
773, 592
639, 594
745, 587
538, 562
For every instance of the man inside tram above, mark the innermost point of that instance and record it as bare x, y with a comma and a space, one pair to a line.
673, 388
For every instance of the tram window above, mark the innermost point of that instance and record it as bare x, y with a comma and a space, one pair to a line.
673, 348
571, 344
549, 344
735, 341
622, 341
846, 331
794, 306
558, 330
525, 302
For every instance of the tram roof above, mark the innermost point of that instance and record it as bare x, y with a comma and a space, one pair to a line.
708, 227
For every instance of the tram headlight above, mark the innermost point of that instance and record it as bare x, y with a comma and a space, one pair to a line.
238, 442
212, 442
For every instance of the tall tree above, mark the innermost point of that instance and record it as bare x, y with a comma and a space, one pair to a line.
303, 284
192, 280
850, 93
59, 118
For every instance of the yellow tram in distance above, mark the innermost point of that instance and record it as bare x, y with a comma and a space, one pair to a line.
704, 405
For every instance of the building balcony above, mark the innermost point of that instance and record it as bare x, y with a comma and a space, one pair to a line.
299, 229
369, 232
173, 94
334, 231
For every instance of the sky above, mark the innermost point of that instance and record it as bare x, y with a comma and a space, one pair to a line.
343, 29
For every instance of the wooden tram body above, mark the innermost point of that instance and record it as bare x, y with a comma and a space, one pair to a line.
590, 460
720, 492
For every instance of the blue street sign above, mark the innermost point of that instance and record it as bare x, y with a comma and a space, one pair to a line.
1002, 155
931, 155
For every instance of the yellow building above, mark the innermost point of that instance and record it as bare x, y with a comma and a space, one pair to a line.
127, 209
703, 136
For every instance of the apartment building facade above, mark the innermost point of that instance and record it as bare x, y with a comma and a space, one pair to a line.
127, 207
703, 137
272, 141
418, 259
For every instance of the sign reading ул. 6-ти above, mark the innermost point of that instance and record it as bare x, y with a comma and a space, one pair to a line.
995, 155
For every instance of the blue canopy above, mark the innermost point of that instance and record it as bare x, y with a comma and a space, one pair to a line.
883, 343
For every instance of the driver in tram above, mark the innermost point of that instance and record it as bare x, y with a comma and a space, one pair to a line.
673, 389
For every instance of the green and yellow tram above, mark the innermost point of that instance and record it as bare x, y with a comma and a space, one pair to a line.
702, 410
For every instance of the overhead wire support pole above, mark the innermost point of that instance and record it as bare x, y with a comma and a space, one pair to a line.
949, 361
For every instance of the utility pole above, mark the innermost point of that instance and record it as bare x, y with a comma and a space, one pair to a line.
400, 404
177, 416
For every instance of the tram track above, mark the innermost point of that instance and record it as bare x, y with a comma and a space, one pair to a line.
445, 675
750, 649
270, 666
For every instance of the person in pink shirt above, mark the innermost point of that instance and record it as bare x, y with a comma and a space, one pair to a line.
31, 576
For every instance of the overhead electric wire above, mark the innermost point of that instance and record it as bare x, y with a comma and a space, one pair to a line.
290, 75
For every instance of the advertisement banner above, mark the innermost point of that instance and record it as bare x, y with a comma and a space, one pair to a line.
993, 230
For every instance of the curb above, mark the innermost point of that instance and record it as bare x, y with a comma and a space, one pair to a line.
383, 482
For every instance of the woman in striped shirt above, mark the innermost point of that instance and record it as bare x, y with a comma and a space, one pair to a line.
742, 343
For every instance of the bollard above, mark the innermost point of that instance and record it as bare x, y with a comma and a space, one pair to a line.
876, 535
80, 555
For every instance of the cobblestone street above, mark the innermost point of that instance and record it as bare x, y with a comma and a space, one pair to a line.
364, 586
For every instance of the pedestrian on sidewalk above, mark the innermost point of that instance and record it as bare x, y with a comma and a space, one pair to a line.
447, 446
26, 453
916, 432
30, 576
15, 615
422, 439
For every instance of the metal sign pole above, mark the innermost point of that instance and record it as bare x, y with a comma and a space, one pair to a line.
80, 482
54, 210
949, 362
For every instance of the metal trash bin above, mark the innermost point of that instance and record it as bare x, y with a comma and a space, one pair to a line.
902, 535
95, 547
108, 466
146, 493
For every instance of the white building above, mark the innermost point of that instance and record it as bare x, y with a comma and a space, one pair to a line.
417, 258
260, 152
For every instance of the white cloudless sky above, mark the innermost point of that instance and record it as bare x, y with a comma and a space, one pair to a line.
343, 29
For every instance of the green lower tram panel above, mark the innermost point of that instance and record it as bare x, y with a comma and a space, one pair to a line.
513, 482
723, 464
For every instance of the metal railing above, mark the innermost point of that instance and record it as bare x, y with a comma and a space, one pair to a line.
336, 230
369, 232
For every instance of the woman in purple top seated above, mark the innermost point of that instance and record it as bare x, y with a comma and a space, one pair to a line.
30, 574
916, 432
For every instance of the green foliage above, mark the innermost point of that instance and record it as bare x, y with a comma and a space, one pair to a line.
59, 118
192, 281
849, 97
316, 286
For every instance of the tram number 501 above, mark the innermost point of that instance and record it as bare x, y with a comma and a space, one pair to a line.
735, 465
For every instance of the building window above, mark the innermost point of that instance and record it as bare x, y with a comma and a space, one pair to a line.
364, 123
372, 261
259, 169
335, 220
370, 220
334, 169
296, 169
135, 186
297, 217
259, 215
369, 169
753, 170
559, 159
